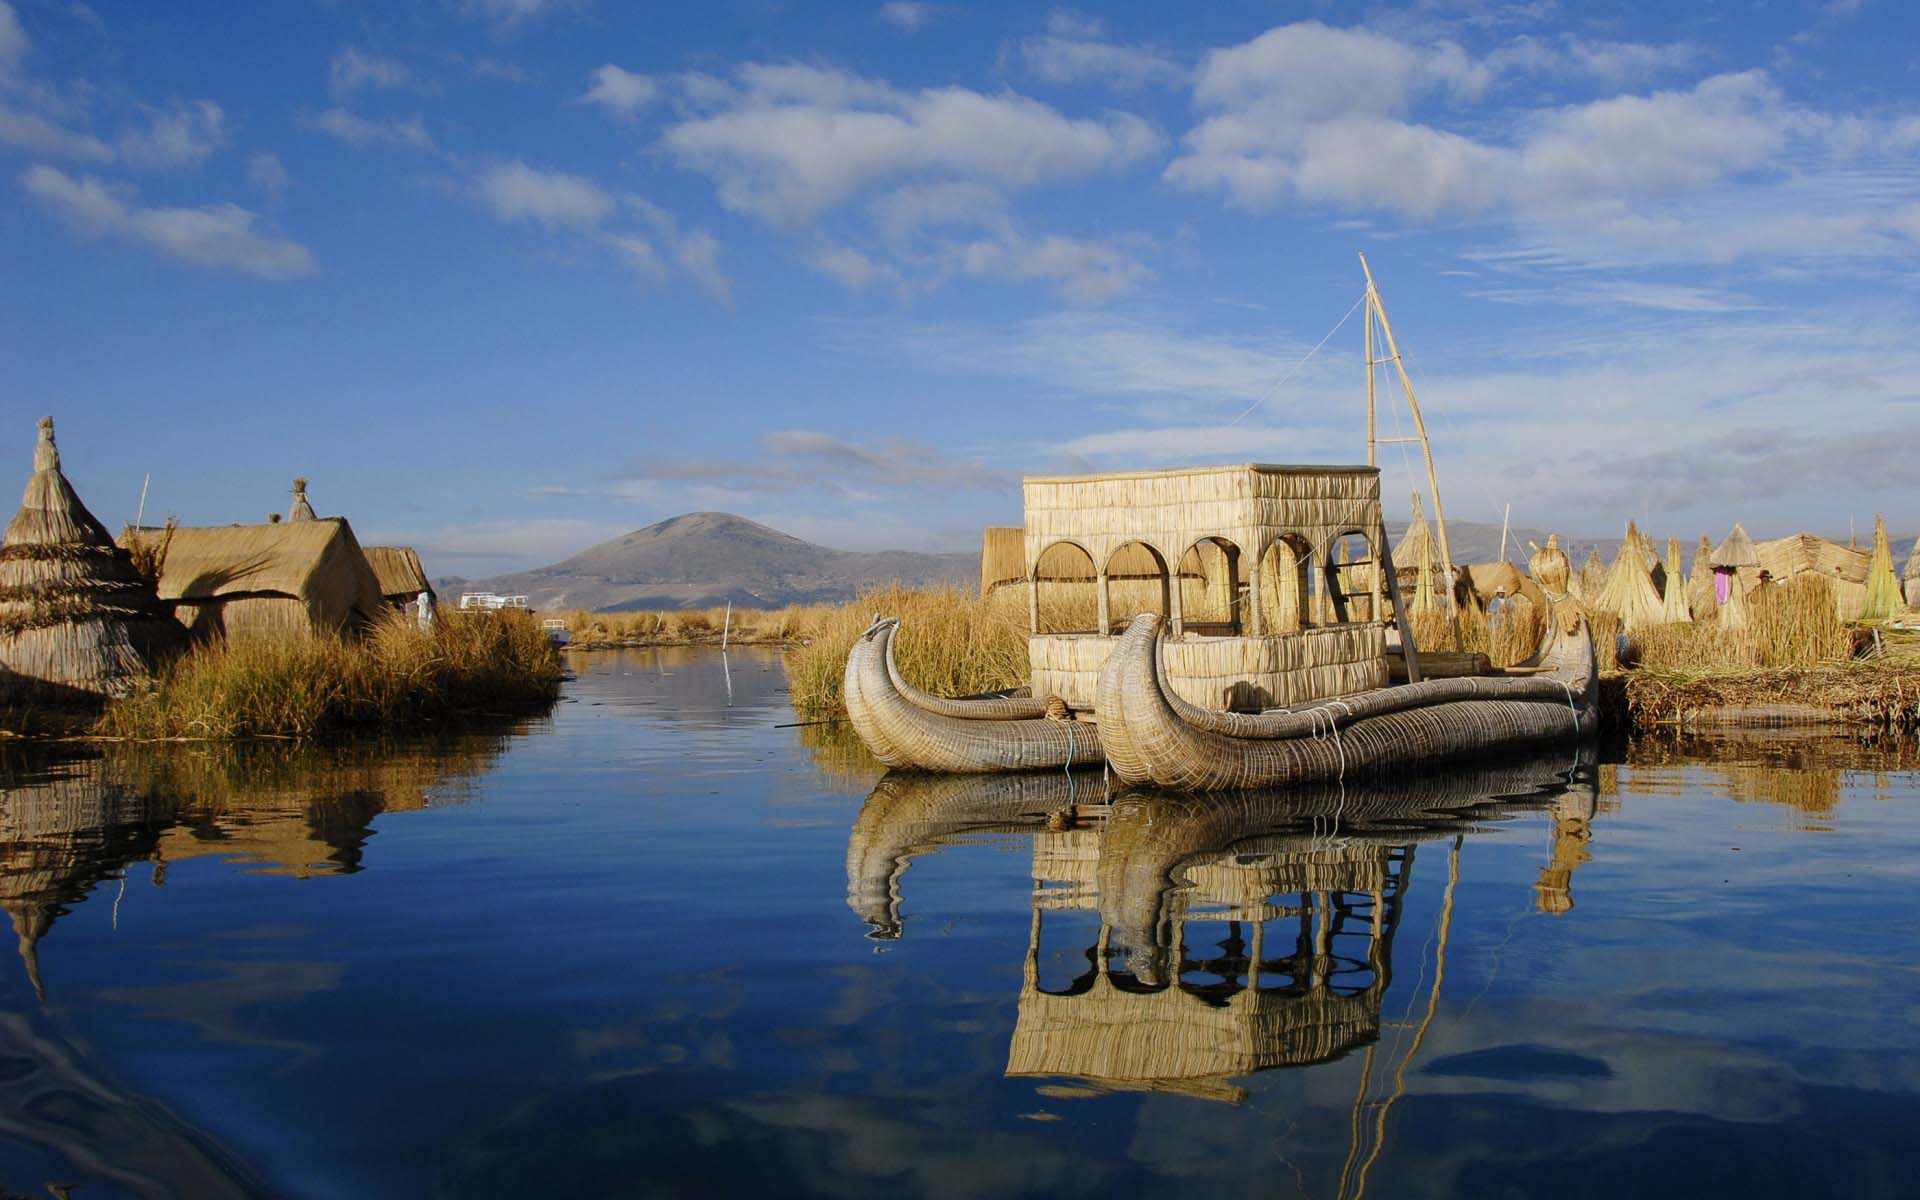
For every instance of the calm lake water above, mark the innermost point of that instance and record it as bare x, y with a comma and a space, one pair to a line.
654, 945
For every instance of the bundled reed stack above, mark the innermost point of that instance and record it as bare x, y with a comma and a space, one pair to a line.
1675, 611
1700, 595
1883, 589
1592, 579
1911, 577
1734, 554
1629, 592
300, 509
1414, 559
75, 616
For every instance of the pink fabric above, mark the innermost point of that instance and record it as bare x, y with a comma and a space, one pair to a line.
1720, 585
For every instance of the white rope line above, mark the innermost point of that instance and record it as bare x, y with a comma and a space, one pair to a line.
1303, 362
1571, 707
1068, 768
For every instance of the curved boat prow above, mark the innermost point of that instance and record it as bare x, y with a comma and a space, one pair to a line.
1154, 737
904, 727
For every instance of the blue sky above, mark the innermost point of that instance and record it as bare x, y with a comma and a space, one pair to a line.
505, 277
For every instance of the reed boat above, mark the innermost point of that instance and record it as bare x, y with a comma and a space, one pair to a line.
903, 726
1153, 736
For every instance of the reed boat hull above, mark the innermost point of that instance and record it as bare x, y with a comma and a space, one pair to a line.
1153, 737
906, 728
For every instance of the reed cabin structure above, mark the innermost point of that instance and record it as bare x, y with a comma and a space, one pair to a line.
1266, 575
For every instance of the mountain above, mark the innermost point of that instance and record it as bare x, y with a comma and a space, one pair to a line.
705, 559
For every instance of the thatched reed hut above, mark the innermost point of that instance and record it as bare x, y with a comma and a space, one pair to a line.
1630, 592
76, 617
1587, 584
298, 577
399, 573
1675, 611
1844, 568
1734, 554
1883, 588
1003, 557
1700, 593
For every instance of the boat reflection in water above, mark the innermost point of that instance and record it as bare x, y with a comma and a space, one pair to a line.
1237, 932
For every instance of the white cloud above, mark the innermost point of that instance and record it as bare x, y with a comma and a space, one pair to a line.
267, 173
638, 255
37, 135
13, 41
909, 15
853, 269
353, 69
509, 16
619, 91
516, 191
357, 130
222, 236
1076, 50
787, 142
698, 254
180, 135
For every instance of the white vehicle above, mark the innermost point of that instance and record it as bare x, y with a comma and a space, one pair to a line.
491, 601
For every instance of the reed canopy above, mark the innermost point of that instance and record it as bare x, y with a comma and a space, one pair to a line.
1735, 551
398, 571
75, 614
291, 578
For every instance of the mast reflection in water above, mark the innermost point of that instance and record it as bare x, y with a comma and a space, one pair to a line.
1235, 933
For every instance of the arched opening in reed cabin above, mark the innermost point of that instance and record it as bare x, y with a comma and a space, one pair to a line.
1354, 587
1065, 590
1137, 582
1210, 587
1286, 585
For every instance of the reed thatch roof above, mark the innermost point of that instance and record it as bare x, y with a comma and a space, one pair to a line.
1675, 611
398, 570
1736, 550
74, 613
1806, 553
315, 567
1629, 591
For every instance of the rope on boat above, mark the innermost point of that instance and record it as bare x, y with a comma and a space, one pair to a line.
1068, 767
1571, 706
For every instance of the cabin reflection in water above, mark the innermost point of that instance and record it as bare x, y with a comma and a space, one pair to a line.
1235, 933
68, 825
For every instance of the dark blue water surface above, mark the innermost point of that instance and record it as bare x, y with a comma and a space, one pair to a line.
655, 945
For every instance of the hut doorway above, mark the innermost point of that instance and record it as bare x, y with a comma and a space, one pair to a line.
1137, 581
1064, 590
1286, 585
1211, 588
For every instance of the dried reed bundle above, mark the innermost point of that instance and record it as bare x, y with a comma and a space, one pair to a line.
1675, 611
1883, 589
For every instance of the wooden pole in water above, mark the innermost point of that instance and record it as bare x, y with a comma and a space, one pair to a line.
1419, 425
726, 630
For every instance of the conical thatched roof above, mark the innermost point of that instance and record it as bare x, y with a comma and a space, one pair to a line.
74, 614
1588, 582
1736, 550
1701, 597
1675, 610
1642, 547
1883, 589
1913, 562
1416, 545
300, 509
1629, 590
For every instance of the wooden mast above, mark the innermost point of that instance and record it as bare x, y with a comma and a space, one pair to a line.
1375, 308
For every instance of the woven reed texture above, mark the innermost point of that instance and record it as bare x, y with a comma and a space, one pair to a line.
1883, 587
1239, 673
1843, 567
1152, 736
1630, 592
307, 575
1913, 563
76, 618
1248, 506
397, 572
1736, 550
1550, 568
1591, 580
1702, 600
1675, 611
902, 734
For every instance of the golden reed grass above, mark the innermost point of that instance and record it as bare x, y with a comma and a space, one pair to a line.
395, 676
697, 626
952, 643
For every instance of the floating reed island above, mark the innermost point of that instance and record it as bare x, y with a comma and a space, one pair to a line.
1218, 628
284, 629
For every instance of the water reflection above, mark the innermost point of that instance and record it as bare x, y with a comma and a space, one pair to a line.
68, 824
1230, 934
